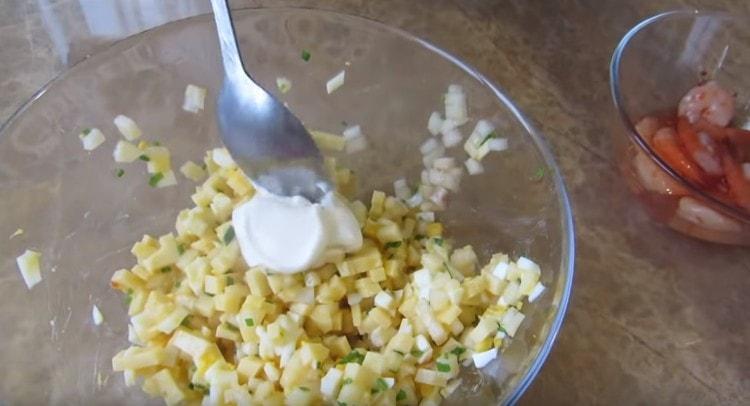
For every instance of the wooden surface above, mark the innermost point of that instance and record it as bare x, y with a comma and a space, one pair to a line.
655, 318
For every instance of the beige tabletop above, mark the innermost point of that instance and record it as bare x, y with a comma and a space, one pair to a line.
655, 318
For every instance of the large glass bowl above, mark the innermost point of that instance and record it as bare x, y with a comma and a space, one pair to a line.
84, 219
654, 65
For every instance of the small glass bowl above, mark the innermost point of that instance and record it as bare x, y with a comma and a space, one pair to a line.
653, 66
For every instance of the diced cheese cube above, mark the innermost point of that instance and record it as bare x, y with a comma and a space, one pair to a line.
335, 82
96, 315
511, 321
28, 265
384, 300
501, 270
331, 383
127, 127
195, 98
481, 359
536, 292
434, 123
189, 343
222, 158
430, 377
91, 138
374, 362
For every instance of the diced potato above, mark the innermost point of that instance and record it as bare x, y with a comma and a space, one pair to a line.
248, 367
363, 261
163, 384
430, 377
380, 326
159, 160
464, 260
328, 141
258, 282
138, 357
167, 254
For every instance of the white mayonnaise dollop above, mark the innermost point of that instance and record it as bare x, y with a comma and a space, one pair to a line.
291, 234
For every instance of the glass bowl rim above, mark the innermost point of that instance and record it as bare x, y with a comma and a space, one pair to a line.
567, 243
617, 99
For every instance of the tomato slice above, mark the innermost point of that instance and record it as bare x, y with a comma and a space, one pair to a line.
665, 144
739, 187
701, 147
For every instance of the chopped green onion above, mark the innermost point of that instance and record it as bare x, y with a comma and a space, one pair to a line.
249, 322
228, 235
155, 178
305, 55
438, 241
539, 174
401, 395
443, 367
144, 157
458, 351
347, 381
119, 172
393, 244
198, 387
487, 138
416, 353
180, 249
86, 131
399, 352
340, 403
156, 143
501, 329
230, 281
353, 356
232, 327
304, 388
380, 385
166, 269
186, 321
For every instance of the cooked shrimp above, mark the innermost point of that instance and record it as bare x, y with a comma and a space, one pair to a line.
695, 212
666, 145
710, 102
653, 178
647, 127
699, 146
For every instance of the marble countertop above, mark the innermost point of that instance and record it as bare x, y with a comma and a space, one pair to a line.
661, 319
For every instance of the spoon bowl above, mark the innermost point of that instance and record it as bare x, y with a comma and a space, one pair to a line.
266, 140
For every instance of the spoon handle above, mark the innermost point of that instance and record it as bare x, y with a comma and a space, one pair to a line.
230, 52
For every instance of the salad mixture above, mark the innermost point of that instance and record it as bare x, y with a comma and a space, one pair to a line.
387, 316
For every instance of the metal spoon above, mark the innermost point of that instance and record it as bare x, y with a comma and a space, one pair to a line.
266, 140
